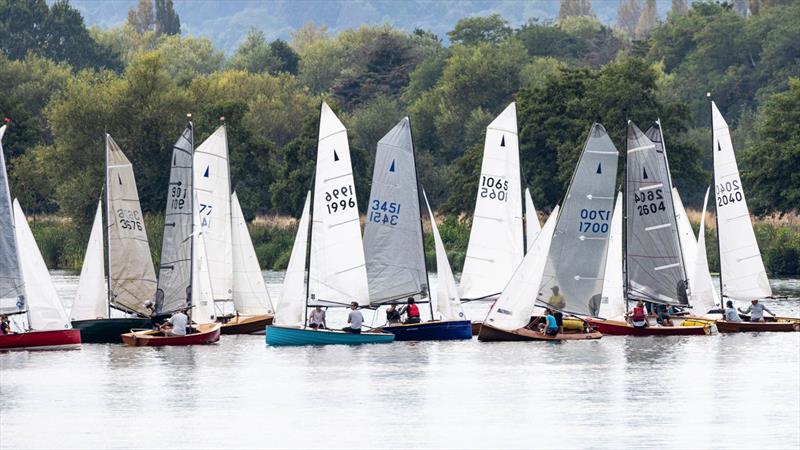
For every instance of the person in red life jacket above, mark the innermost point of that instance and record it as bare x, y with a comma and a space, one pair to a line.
638, 317
411, 310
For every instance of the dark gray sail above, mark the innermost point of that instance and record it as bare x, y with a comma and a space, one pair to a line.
654, 267
175, 271
12, 294
392, 235
573, 276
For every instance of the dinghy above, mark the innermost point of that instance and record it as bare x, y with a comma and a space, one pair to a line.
393, 246
27, 294
207, 333
131, 279
568, 256
336, 267
654, 269
742, 276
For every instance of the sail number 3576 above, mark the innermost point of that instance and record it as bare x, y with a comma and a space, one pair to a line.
494, 188
340, 199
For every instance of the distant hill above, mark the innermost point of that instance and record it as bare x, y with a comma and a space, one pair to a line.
225, 22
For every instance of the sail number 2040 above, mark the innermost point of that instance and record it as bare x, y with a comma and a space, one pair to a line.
340, 199
594, 221
729, 192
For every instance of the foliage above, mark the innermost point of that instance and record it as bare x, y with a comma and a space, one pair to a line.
474, 30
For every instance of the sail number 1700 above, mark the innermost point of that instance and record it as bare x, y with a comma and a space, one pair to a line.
594, 221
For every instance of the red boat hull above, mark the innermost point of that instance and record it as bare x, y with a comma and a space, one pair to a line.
619, 328
42, 340
206, 334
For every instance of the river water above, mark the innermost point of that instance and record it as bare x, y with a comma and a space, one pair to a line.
719, 391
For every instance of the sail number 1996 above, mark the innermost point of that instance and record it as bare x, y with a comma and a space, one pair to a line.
339, 199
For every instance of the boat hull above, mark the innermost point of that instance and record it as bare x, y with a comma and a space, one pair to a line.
100, 331
42, 340
785, 325
207, 333
444, 330
476, 328
246, 324
489, 333
282, 336
620, 328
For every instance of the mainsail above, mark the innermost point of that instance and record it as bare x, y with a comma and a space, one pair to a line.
133, 279
687, 239
448, 303
514, 307
250, 296
212, 207
393, 234
337, 274
12, 293
291, 304
613, 298
741, 267
532, 226
202, 287
496, 245
654, 267
577, 256
91, 299
175, 270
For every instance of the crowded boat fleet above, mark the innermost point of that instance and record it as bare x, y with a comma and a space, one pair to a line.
605, 262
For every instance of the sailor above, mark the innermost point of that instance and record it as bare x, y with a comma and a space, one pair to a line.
5, 325
731, 315
662, 315
316, 319
556, 300
638, 316
355, 319
756, 311
392, 315
411, 310
176, 325
551, 327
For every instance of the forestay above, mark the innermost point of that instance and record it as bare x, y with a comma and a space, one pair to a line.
514, 307
532, 225
250, 296
133, 279
496, 243
577, 257
448, 303
91, 300
655, 270
393, 234
613, 298
45, 311
337, 275
12, 293
704, 295
741, 268
292, 303
213, 209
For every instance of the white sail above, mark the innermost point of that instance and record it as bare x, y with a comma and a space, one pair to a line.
12, 293
91, 301
292, 303
704, 294
496, 246
741, 267
532, 225
337, 273
213, 208
45, 311
613, 299
250, 296
513, 309
202, 284
448, 303
688, 241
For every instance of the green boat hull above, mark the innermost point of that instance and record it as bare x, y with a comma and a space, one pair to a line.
108, 331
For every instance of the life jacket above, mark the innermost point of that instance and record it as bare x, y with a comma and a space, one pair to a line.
638, 313
413, 311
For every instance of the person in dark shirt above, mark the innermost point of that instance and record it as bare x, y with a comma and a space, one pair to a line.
411, 310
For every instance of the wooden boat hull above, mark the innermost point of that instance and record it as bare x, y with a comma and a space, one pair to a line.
207, 333
476, 328
42, 340
100, 331
621, 328
246, 324
282, 336
781, 324
444, 330
489, 333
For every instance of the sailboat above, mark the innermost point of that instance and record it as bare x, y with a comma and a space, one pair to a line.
183, 277
131, 280
393, 246
25, 284
567, 258
654, 266
337, 273
741, 269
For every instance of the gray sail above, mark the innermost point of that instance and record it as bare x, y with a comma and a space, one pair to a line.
12, 293
654, 267
577, 258
392, 235
175, 270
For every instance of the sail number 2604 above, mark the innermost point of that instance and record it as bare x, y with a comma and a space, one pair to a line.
594, 221
340, 199
649, 202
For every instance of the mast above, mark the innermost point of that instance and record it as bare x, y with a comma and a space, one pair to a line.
107, 216
421, 230
625, 221
310, 231
716, 212
190, 290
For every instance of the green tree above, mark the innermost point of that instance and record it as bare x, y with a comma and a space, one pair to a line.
295, 162
571, 8
647, 20
186, 58
254, 55
141, 18
167, 21
287, 59
628, 15
475, 30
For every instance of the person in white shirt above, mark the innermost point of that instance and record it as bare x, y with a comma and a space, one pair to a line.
176, 325
731, 315
355, 319
756, 311
316, 319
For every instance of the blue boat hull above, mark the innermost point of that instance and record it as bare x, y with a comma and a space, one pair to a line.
444, 330
277, 335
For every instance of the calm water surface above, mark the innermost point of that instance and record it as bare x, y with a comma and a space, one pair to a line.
738, 391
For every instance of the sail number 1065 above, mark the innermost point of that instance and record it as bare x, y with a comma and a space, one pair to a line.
594, 221
494, 188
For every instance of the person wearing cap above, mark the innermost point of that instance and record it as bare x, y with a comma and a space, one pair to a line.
731, 315
354, 319
557, 300
177, 324
756, 311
